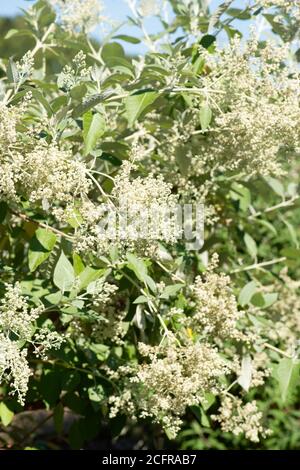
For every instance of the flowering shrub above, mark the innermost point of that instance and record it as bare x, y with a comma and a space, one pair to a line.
106, 311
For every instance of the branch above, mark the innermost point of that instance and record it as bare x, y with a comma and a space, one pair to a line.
259, 265
41, 224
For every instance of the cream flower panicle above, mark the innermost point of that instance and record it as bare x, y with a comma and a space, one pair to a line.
78, 15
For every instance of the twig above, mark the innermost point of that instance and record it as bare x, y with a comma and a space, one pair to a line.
41, 224
259, 265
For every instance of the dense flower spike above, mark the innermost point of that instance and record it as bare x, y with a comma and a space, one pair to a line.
192, 370
79, 15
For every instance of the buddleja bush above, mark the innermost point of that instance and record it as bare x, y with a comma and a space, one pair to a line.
122, 329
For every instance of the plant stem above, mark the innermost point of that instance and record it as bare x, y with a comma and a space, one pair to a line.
259, 265
41, 224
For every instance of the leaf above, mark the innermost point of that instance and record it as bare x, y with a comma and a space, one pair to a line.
126, 38
214, 19
58, 417
246, 373
139, 268
170, 291
238, 13
291, 230
91, 102
77, 264
36, 258
276, 185
89, 275
112, 50
208, 401
63, 276
251, 245
247, 293
135, 104
6, 415
205, 116
270, 299
46, 238
287, 374
3, 211
293, 253
12, 71
40, 247
96, 396
266, 224
93, 129
242, 194
207, 40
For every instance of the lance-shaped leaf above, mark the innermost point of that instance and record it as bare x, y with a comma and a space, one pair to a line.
63, 276
287, 374
137, 103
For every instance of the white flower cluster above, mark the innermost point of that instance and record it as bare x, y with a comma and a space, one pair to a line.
173, 378
284, 314
17, 320
137, 212
238, 418
79, 15
39, 171
256, 111
107, 310
216, 309
149, 7
71, 75
14, 368
15, 314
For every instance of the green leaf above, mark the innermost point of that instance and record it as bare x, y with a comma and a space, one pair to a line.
6, 415
3, 211
91, 102
247, 293
238, 13
12, 71
36, 258
126, 38
215, 17
209, 400
170, 291
207, 40
112, 50
205, 116
96, 396
266, 224
291, 230
242, 194
251, 245
58, 417
135, 104
293, 253
77, 264
270, 299
40, 247
63, 276
89, 275
287, 374
93, 129
276, 185
139, 267
46, 238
